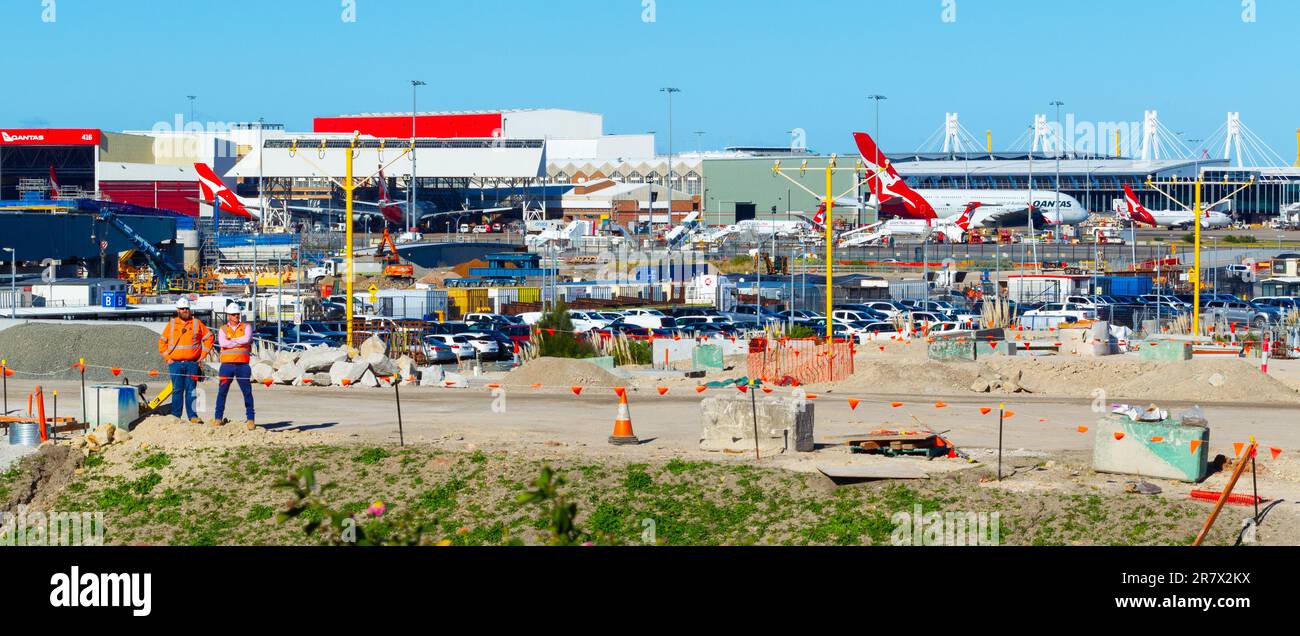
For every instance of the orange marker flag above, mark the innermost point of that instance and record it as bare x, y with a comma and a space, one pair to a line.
1042, 420
347, 382
896, 404
1157, 439
1082, 429
1275, 451
742, 389
940, 405
116, 370
153, 373
537, 386
663, 390
620, 391
767, 390
494, 386
268, 382
577, 390
307, 380
1236, 448
853, 403
1195, 444
1118, 436
1008, 415
811, 396
701, 388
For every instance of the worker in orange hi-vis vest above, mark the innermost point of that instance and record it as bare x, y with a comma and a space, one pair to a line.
184, 343
236, 341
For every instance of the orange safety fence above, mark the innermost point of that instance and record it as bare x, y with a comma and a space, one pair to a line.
784, 362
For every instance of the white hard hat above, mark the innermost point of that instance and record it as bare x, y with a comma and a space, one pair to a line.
234, 308
183, 303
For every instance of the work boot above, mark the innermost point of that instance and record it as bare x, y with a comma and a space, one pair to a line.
219, 422
251, 425
195, 420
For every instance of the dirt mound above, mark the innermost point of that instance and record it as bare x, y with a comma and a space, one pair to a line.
562, 372
462, 270
42, 477
1205, 381
46, 347
172, 432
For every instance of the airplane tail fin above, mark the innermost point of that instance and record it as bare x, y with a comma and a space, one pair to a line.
54, 183
819, 219
383, 186
964, 220
887, 185
1135, 210
215, 192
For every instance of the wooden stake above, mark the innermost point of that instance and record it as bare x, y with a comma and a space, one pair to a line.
1223, 499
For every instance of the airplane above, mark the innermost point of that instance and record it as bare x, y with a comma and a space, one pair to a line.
213, 188
1172, 219
895, 198
947, 229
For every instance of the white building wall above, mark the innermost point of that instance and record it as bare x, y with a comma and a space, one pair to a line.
552, 124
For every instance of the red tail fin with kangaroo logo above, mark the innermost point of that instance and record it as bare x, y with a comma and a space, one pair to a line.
888, 186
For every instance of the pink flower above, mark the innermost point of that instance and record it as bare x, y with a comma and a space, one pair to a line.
377, 509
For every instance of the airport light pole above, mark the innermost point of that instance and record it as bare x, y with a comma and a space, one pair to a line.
699, 138
877, 99
410, 195
13, 282
1057, 151
669, 90
191, 98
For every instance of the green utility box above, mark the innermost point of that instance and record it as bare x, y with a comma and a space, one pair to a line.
1151, 449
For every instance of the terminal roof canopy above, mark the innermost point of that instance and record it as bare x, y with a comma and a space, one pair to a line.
435, 158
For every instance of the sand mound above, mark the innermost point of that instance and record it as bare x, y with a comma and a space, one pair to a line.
562, 372
46, 347
166, 431
42, 477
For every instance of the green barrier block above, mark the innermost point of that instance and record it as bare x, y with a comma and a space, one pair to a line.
1151, 449
1166, 351
707, 357
953, 349
604, 362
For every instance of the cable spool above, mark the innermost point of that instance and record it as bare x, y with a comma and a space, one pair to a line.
24, 434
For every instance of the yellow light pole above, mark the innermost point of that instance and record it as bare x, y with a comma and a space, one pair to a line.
830, 249
349, 186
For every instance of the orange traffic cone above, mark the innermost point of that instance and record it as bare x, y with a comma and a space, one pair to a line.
623, 434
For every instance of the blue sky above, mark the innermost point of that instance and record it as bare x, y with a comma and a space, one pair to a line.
750, 70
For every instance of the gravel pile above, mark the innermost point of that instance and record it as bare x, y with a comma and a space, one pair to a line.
562, 372
43, 348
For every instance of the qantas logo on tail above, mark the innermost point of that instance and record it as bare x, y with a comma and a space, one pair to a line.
819, 219
213, 190
885, 182
54, 183
392, 212
1135, 210
963, 221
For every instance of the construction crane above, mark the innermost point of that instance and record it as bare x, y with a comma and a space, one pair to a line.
168, 275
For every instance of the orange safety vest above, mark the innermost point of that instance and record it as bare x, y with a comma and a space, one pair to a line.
185, 340
238, 354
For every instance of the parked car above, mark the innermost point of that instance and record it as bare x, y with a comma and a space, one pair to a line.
485, 346
1283, 304
439, 352
1237, 312
1070, 311
458, 343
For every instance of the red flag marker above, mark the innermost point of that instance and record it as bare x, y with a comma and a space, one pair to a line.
577, 390
663, 390
1118, 436
1195, 444
853, 403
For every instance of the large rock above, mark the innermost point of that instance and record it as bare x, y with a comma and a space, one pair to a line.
431, 376
338, 371
287, 374
322, 379
406, 366
262, 371
372, 345
454, 380
367, 377
783, 425
380, 364
321, 359
284, 358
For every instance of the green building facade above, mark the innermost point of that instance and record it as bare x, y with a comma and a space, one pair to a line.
737, 189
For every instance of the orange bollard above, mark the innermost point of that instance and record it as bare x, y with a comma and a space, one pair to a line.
39, 395
623, 434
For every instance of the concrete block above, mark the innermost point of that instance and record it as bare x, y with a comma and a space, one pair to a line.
454, 380
373, 345
1150, 449
338, 371
284, 358
961, 347
322, 379
108, 404
380, 364
431, 376
783, 425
